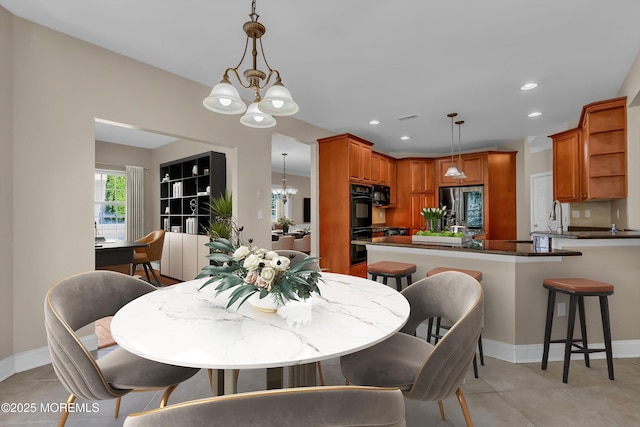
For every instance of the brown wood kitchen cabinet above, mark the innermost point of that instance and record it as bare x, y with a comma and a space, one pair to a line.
415, 189
472, 166
590, 161
343, 160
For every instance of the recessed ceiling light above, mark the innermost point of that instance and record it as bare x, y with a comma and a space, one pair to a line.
374, 122
405, 138
535, 114
529, 86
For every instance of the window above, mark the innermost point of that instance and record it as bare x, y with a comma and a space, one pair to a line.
110, 196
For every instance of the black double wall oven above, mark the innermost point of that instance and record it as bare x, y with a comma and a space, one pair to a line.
361, 220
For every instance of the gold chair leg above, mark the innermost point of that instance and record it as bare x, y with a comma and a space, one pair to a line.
441, 406
320, 373
65, 414
116, 412
465, 408
166, 394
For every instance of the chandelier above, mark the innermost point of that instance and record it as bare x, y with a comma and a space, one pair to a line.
225, 99
285, 192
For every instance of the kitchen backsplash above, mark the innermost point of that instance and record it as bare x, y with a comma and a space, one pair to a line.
591, 214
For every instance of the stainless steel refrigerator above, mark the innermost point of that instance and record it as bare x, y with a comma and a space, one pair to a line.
465, 206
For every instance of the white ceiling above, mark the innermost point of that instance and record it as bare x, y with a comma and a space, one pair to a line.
347, 62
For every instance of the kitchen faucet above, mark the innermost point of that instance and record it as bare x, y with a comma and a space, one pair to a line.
552, 215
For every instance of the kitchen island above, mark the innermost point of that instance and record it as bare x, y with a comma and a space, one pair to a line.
515, 301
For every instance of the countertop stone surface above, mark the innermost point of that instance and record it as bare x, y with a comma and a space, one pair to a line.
496, 247
589, 234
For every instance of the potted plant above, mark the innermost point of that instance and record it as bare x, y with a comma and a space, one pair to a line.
221, 224
285, 223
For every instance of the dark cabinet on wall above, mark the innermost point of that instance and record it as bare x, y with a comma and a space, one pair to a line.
186, 188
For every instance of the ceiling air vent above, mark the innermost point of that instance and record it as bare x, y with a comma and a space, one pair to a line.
412, 116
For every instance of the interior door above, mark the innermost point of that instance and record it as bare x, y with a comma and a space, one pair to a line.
541, 201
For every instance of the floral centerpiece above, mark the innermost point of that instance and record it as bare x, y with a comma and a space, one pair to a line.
252, 270
433, 217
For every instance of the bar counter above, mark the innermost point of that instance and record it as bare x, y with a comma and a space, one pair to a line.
523, 248
515, 301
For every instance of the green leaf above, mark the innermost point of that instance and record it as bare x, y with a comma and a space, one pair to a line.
219, 257
241, 291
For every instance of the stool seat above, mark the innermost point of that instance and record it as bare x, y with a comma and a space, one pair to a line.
579, 286
391, 268
387, 269
473, 273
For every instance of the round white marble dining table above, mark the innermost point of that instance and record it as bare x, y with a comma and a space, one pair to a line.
182, 325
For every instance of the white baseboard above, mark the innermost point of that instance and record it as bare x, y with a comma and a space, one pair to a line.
533, 352
30, 359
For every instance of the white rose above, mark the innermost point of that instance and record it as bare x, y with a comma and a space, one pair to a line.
252, 262
240, 253
267, 274
280, 263
271, 255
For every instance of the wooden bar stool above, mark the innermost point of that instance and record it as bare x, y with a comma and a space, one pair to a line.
577, 289
476, 275
387, 269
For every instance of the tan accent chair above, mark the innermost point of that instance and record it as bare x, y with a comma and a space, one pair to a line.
283, 243
306, 406
421, 370
153, 252
303, 244
80, 300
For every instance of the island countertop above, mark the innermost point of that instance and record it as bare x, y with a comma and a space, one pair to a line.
586, 234
496, 247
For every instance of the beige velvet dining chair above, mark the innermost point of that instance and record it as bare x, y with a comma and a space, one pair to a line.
306, 406
283, 243
146, 255
80, 300
421, 370
303, 244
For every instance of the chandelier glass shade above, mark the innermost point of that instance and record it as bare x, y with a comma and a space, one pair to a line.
453, 170
225, 98
284, 193
461, 174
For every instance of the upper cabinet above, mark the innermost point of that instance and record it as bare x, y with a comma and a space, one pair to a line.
381, 169
360, 160
471, 164
590, 162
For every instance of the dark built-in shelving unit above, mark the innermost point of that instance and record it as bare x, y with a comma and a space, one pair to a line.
211, 172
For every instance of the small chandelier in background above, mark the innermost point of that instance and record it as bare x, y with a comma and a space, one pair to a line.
461, 174
285, 192
225, 99
453, 170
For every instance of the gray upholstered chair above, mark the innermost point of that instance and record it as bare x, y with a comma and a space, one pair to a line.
283, 243
421, 370
307, 406
80, 300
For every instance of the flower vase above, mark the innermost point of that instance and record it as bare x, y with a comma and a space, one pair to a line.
434, 225
268, 304
285, 228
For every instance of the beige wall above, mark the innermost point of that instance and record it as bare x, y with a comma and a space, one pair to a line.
6, 183
631, 89
303, 184
61, 85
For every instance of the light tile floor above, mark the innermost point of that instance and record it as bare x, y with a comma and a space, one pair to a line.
505, 395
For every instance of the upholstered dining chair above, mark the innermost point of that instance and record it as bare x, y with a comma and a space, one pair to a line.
79, 300
283, 243
421, 370
305, 406
303, 244
153, 252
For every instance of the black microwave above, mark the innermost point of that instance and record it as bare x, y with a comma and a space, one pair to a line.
381, 195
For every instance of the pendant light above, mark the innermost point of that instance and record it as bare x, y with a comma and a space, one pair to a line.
461, 174
453, 170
